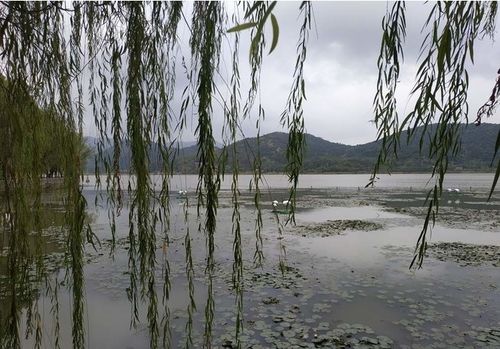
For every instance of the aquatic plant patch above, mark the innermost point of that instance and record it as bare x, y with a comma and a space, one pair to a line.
336, 227
466, 254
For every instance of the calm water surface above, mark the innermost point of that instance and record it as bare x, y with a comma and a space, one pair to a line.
318, 181
356, 285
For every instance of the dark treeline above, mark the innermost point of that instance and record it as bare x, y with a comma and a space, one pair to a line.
45, 136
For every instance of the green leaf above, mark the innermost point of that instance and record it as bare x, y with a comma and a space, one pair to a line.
254, 44
497, 174
495, 180
241, 27
276, 32
436, 103
253, 8
497, 146
471, 51
260, 28
264, 18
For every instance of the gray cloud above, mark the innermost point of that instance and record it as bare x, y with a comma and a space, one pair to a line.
341, 68
340, 72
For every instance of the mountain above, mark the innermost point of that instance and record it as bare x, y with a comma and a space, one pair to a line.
322, 156
273, 148
475, 154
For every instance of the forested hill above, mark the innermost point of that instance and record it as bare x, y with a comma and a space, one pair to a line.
322, 156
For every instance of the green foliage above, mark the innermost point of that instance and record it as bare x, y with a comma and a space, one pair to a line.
33, 145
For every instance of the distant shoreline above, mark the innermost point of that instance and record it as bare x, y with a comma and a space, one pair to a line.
47, 183
311, 173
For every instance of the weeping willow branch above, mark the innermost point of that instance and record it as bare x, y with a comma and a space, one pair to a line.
128, 51
232, 114
486, 110
440, 90
391, 54
205, 47
293, 116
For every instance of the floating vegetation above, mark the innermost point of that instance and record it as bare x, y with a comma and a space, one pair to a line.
270, 300
296, 334
465, 254
489, 336
336, 227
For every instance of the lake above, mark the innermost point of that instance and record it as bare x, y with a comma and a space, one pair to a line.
319, 181
339, 278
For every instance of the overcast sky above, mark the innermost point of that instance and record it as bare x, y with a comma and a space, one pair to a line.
341, 69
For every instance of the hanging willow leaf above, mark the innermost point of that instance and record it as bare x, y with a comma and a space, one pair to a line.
268, 12
495, 180
241, 27
497, 173
276, 33
259, 33
497, 147
252, 9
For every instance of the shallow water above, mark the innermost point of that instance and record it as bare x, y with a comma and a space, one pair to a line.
354, 286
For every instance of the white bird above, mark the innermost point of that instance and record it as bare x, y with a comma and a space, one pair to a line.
6, 219
286, 202
275, 203
449, 190
456, 190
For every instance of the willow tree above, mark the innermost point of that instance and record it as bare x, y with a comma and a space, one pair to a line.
119, 61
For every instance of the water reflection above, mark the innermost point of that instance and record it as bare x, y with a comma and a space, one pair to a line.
31, 260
